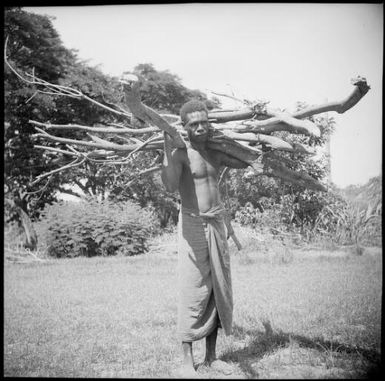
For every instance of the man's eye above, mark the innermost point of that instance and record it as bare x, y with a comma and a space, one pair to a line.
195, 125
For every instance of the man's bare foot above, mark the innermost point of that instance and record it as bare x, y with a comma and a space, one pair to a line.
221, 367
187, 371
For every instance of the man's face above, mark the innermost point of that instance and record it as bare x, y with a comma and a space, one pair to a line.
197, 126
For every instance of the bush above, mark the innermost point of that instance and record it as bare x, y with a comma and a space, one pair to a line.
92, 228
314, 215
270, 219
319, 215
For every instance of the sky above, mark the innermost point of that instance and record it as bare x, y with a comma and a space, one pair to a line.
282, 53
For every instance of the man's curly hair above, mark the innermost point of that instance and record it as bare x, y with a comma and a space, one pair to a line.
191, 106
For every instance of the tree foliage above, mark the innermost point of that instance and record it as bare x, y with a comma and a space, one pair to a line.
364, 195
164, 92
33, 45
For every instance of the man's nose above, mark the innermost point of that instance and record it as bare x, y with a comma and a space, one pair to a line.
200, 127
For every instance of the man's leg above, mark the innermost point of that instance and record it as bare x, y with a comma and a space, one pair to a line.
211, 342
188, 360
211, 357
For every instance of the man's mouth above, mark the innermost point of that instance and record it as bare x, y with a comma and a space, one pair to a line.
199, 136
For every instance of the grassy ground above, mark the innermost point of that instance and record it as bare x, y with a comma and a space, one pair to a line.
298, 314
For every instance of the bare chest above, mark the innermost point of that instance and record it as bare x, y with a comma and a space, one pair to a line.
202, 165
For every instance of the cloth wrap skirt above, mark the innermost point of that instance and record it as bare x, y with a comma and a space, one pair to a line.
205, 298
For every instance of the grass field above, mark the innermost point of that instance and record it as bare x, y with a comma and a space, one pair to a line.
297, 314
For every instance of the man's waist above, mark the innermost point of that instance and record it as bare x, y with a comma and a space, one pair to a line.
215, 212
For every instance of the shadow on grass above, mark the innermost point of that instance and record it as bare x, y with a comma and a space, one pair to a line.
266, 342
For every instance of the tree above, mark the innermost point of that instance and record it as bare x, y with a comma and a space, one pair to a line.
273, 142
363, 196
164, 92
38, 48
33, 46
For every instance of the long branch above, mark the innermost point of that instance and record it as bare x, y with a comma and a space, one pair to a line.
271, 168
272, 141
229, 142
145, 113
79, 127
277, 169
117, 147
361, 88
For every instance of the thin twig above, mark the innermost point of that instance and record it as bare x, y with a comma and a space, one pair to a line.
243, 101
57, 150
41, 189
150, 140
223, 174
75, 163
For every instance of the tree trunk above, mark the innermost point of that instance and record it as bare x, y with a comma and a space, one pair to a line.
29, 231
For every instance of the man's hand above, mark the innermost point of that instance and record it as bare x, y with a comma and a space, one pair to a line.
131, 83
172, 168
167, 144
128, 79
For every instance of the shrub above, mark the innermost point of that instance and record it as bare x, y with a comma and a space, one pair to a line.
316, 215
269, 219
92, 228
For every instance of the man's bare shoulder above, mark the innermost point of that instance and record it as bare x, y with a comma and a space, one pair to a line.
180, 154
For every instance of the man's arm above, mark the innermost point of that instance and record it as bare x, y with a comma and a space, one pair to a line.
172, 166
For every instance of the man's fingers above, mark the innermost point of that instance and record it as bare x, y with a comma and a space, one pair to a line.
128, 78
167, 136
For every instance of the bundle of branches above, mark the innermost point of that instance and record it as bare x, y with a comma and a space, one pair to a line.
245, 134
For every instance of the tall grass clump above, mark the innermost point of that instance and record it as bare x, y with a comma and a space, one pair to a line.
91, 228
359, 226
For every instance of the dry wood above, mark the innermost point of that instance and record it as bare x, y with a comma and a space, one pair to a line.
145, 113
272, 167
102, 145
361, 88
246, 141
108, 130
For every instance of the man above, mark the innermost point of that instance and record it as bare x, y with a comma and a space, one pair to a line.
205, 293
